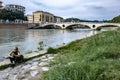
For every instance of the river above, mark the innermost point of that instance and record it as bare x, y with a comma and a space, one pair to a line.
27, 40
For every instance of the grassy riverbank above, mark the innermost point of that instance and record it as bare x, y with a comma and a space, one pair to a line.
93, 58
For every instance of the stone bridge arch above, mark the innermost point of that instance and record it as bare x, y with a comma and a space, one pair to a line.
54, 25
78, 24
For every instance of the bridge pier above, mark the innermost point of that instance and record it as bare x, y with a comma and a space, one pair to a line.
93, 27
63, 26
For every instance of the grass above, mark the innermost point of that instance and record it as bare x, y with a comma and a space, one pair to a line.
4, 66
93, 58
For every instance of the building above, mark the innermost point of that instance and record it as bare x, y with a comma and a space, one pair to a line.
58, 19
1, 4
42, 17
14, 7
30, 18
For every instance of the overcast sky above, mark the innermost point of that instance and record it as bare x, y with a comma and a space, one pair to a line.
82, 9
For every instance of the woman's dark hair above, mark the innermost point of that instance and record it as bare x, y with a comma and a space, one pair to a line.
16, 48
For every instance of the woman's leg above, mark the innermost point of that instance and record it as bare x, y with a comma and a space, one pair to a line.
12, 59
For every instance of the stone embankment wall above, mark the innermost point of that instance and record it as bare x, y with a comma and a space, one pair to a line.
11, 26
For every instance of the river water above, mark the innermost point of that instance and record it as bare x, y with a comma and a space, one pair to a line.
27, 40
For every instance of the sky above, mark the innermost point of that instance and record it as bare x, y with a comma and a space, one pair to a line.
82, 9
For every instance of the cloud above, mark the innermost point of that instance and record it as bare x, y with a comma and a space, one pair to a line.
83, 9
56, 3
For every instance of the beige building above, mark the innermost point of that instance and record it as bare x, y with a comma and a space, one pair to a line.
1, 4
14, 7
42, 17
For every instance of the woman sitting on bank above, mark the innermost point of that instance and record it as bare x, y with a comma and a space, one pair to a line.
15, 56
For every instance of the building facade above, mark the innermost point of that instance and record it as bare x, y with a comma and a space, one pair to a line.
30, 18
1, 4
14, 7
42, 17
58, 19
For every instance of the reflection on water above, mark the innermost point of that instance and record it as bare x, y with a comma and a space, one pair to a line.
7, 35
27, 40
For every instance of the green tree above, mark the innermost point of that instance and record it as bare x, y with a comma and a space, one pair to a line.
80, 20
72, 20
115, 19
10, 15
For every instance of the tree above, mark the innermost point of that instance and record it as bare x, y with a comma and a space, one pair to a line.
72, 20
10, 15
79, 20
115, 19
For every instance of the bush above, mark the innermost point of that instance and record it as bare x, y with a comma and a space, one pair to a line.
51, 50
41, 45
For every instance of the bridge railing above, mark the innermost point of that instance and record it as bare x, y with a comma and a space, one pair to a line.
80, 22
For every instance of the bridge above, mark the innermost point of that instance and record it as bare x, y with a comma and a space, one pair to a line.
91, 25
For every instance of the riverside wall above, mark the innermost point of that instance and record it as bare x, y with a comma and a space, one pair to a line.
11, 26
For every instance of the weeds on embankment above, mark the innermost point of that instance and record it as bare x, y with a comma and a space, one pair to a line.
93, 58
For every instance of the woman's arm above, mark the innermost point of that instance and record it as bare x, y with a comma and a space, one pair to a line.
11, 54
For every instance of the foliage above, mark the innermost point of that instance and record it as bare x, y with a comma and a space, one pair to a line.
41, 45
10, 15
93, 58
80, 20
51, 50
4, 66
72, 20
115, 19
